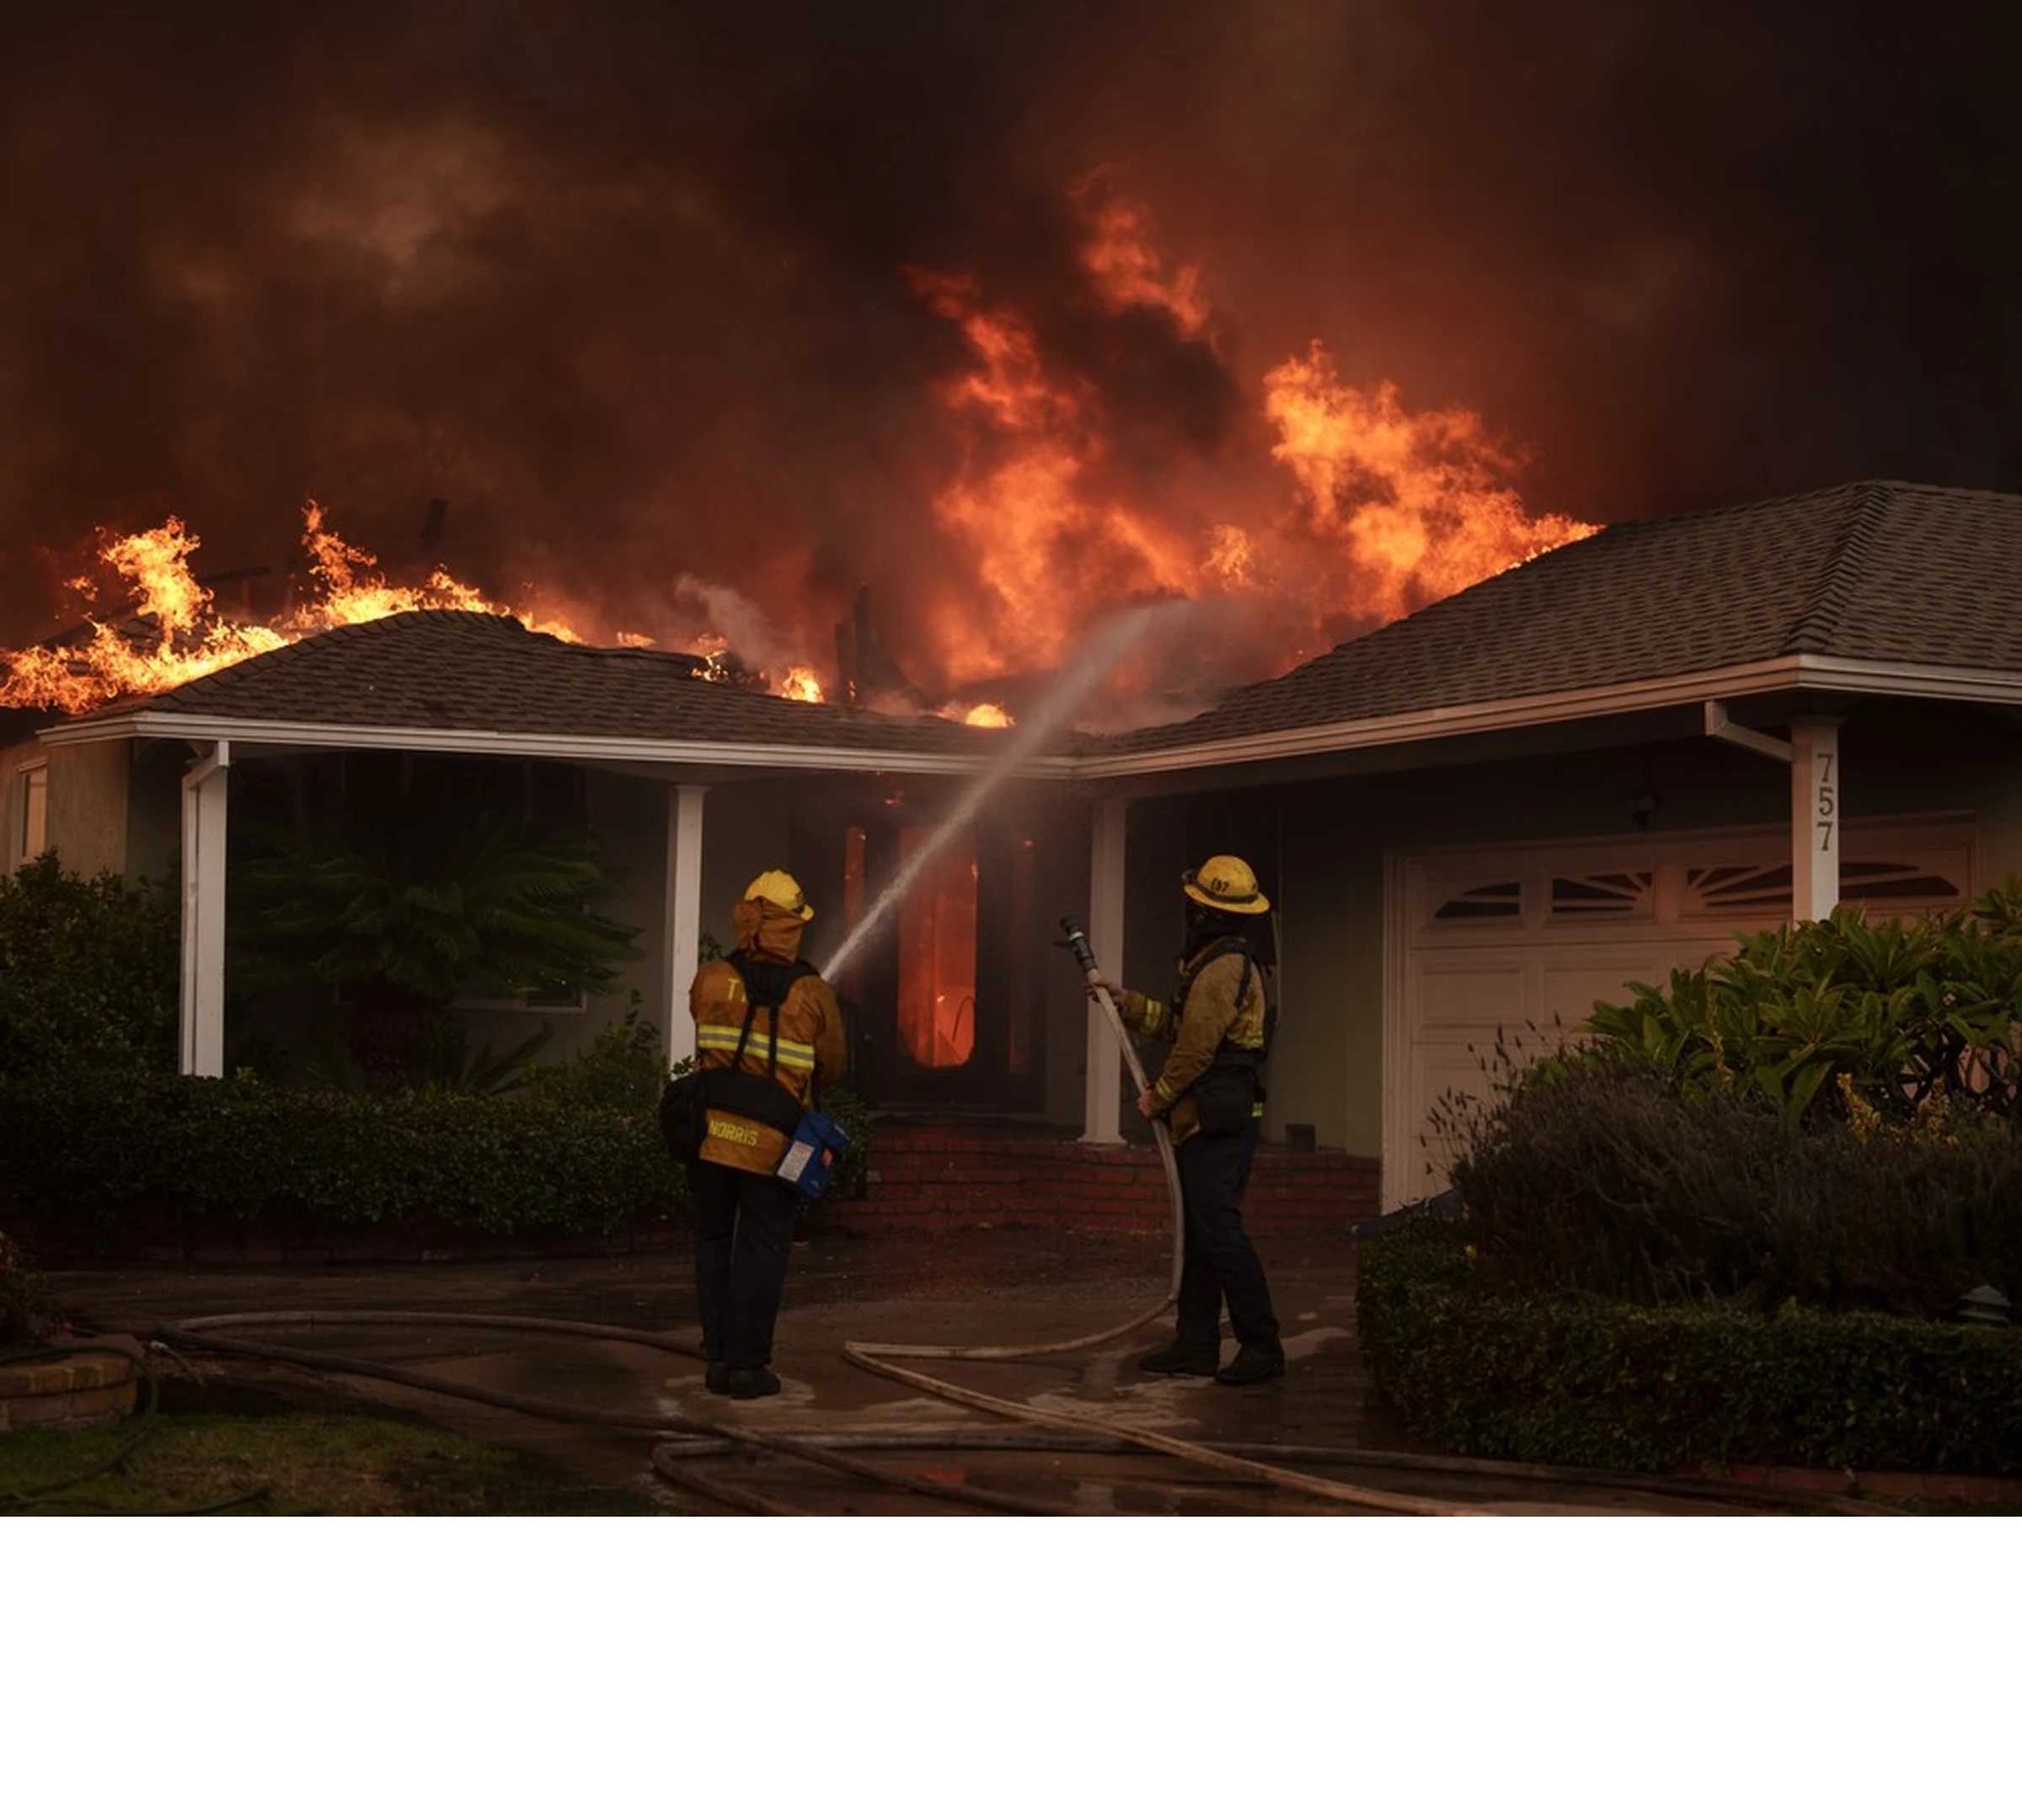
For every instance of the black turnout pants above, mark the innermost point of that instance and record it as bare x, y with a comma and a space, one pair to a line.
1221, 1265
744, 1230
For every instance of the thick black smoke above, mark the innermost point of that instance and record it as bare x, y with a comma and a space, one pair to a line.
627, 284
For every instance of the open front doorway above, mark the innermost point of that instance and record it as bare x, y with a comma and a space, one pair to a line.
946, 995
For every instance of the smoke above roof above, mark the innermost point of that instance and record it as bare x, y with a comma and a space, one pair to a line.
646, 291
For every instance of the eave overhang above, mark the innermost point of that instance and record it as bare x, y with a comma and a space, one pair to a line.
1772, 677
684, 755
1778, 675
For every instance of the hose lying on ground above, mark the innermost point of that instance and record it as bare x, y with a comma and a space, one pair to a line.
1086, 1432
877, 1356
681, 1440
201, 1333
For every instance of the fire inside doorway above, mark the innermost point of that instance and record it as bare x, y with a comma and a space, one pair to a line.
945, 999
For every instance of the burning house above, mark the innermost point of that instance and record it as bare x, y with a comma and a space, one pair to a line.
1578, 772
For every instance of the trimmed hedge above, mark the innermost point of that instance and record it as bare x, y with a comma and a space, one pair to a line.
86, 1154
79, 1151
1581, 1381
1592, 1174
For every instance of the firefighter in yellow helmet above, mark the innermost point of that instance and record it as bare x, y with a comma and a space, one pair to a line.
1210, 1093
767, 1018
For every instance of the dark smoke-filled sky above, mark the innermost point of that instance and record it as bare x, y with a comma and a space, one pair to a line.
627, 284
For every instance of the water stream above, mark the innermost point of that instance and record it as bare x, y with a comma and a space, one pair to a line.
1094, 661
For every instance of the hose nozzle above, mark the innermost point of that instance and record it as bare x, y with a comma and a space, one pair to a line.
1078, 945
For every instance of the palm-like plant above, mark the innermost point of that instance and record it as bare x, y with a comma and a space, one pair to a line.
405, 918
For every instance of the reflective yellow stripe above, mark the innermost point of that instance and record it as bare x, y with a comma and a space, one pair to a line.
723, 1038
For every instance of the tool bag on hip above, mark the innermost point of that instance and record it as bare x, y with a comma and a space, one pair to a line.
687, 1100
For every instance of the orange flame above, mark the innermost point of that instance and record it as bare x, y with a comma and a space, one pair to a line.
1125, 268
183, 637
1364, 510
1029, 501
1419, 502
183, 642
1231, 558
353, 591
1389, 508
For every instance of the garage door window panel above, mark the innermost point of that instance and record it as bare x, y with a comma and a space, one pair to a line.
1603, 896
1499, 902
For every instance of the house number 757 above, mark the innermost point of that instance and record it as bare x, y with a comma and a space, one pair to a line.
1828, 802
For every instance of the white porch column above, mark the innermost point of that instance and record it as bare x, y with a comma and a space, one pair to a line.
1814, 817
681, 929
1102, 1108
1812, 752
201, 1020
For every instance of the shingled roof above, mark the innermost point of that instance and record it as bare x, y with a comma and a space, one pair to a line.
1878, 571
451, 671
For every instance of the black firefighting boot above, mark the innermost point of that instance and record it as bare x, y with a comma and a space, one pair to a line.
1253, 1364
1182, 1359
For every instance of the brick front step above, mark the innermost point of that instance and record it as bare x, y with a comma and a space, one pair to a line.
931, 1175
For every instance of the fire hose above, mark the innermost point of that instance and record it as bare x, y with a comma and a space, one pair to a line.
876, 1357
879, 1356
681, 1439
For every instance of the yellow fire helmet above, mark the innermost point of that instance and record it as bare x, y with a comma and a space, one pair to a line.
1226, 883
783, 889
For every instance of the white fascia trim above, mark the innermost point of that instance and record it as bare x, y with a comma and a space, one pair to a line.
1772, 674
1850, 674
1464, 717
1931, 683
688, 753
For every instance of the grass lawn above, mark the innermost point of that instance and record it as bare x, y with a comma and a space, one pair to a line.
289, 1464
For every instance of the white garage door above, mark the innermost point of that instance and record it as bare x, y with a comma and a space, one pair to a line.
1510, 946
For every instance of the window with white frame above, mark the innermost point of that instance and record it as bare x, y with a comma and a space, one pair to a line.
31, 814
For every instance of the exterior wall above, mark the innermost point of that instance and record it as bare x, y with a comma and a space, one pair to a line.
2000, 821
1327, 1068
746, 829
88, 801
1321, 847
154, 812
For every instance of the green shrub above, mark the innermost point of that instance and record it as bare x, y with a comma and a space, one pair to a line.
623, 1070
87, 1153
1592, 1173
91, 1149
89, 973
1581, 1381
1900, 1011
